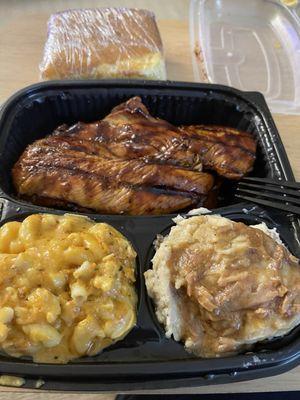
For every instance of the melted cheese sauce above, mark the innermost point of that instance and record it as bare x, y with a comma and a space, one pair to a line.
67, 287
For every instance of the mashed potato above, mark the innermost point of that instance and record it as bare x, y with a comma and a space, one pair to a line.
67, 287
220, 286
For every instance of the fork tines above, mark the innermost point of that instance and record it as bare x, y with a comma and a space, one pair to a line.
283, 195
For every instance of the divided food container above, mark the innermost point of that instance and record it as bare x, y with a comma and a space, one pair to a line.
145, 359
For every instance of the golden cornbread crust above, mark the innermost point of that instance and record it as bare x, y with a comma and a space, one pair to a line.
105, 42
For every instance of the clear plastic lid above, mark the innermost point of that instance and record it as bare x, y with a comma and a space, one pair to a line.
250, 45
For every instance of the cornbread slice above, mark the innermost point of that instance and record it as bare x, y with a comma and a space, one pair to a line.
103, 43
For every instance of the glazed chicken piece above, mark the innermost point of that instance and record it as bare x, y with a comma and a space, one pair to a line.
129, 162
130, 132
53, 172
227, 151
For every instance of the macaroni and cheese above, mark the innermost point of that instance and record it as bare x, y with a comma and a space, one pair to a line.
67, 287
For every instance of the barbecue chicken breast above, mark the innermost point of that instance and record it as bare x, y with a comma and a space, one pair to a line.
55, 172
129, 162
129, 131
227, 151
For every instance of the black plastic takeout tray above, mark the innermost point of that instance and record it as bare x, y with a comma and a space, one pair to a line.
145, 359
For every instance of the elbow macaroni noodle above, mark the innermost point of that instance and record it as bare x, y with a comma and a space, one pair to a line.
67, 287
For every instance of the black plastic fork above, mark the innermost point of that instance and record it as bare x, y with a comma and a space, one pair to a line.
283, 195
